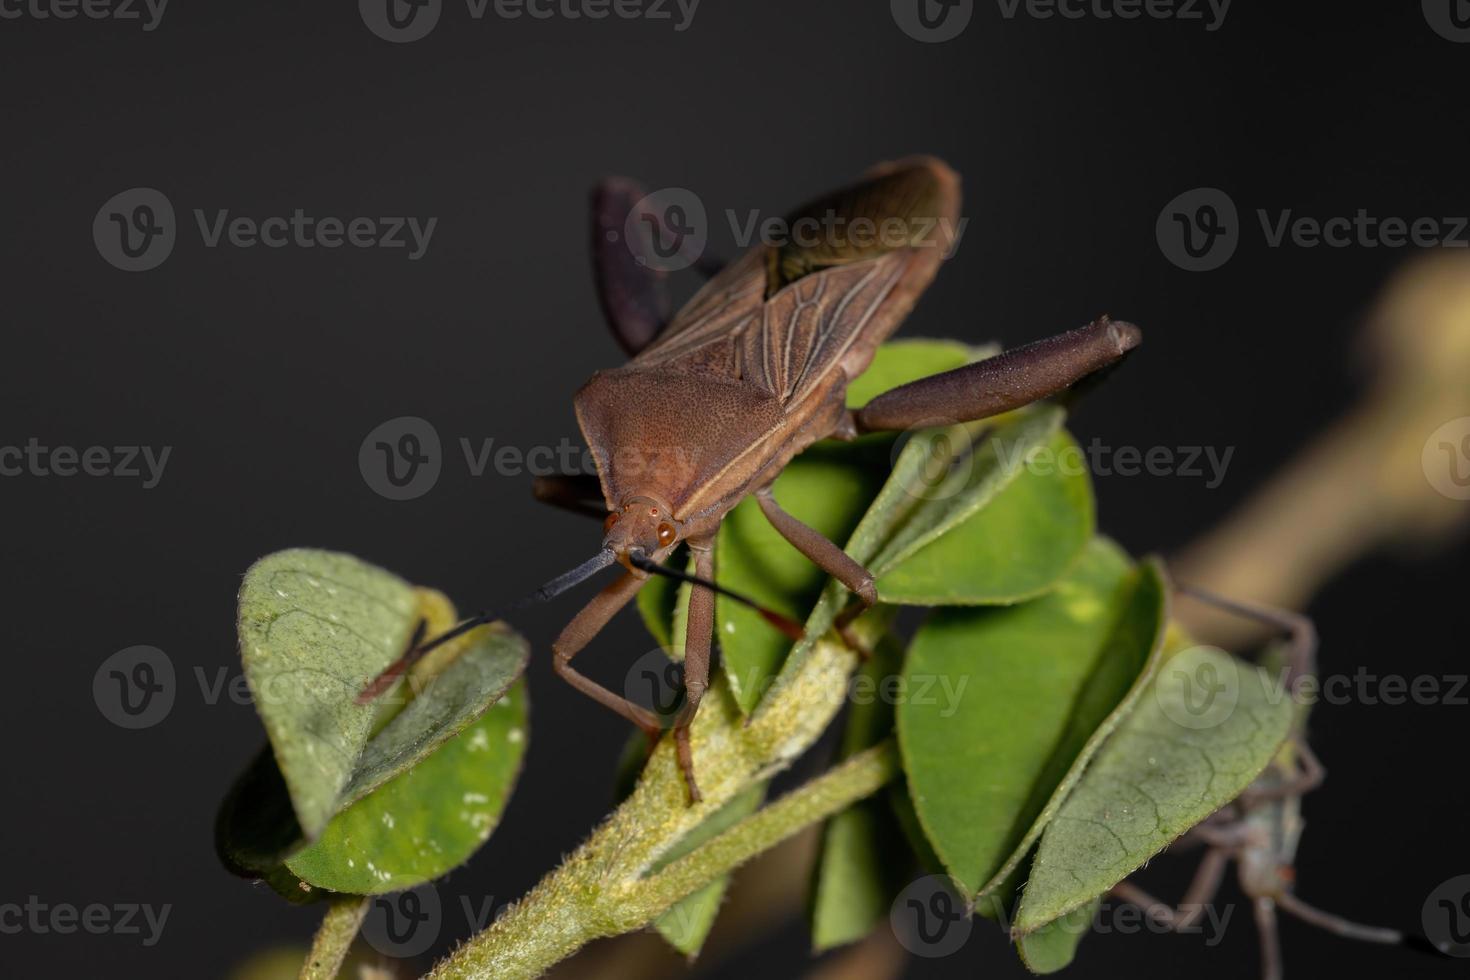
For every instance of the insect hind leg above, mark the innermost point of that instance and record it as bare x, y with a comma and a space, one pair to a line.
1008, 381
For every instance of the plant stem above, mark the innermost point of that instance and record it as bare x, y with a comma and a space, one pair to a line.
570, 908
833, 791
608, 886
334, 937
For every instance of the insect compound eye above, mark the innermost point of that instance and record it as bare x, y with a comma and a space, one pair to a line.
666, 534
607, 525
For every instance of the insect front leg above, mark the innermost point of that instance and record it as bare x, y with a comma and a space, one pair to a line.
698, 638
827, 556
1008, 381
632, 291
816, 547
581, 630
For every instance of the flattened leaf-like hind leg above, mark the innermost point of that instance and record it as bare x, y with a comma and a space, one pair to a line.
632, 291
1010, 380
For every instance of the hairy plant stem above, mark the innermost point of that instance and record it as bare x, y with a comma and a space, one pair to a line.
612, 883
334, 937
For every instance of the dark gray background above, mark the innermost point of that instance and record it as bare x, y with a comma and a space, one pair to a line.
264, 369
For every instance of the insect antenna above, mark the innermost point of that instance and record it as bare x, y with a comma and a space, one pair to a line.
785, 624
416, 650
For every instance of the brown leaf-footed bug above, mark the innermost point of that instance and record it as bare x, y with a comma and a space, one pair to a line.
720, 396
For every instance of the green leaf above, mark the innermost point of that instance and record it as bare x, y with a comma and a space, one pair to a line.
1013, 548
1054, 945
863, 860
687, 922
1005, 706
972, 472
1204, 730
936, 484
827, 487
447, 704
428, 819
304, 617
315, 627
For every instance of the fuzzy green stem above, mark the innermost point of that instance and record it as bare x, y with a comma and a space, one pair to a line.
569, 908
609, 885
334, 937
835, 790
